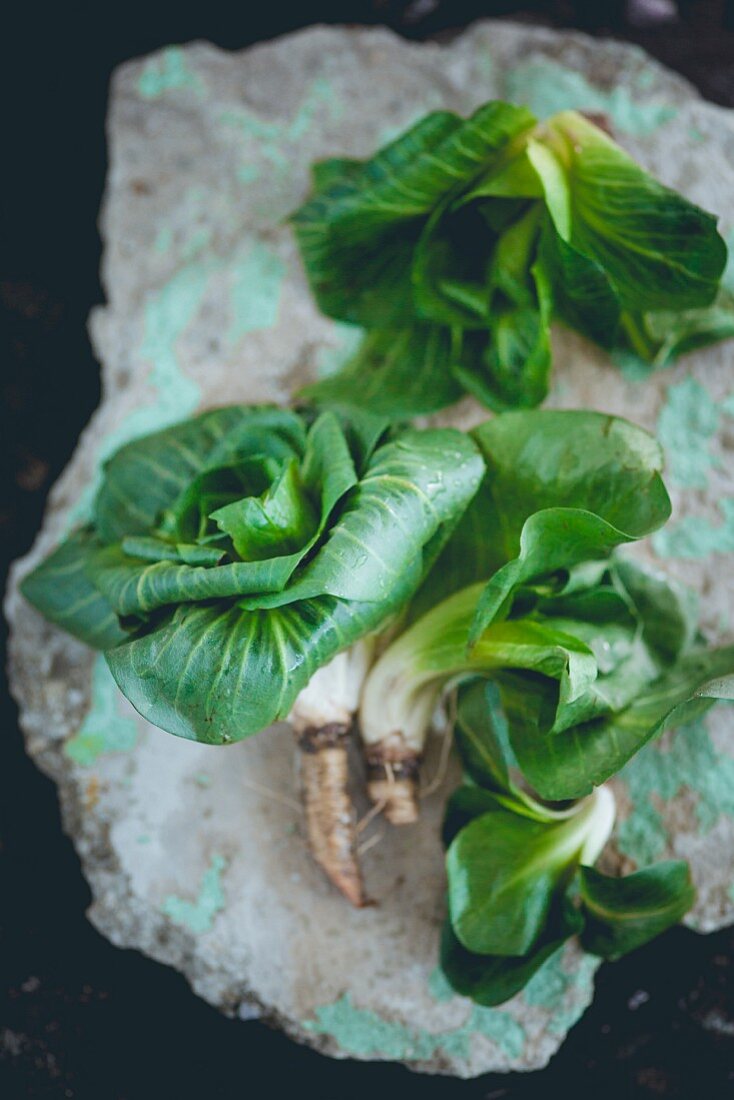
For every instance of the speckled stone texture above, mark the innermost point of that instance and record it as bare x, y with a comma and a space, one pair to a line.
196, 855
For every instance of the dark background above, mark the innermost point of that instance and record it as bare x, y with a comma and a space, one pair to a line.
78, 1017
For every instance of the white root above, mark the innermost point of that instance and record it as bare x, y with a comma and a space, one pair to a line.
321, 719
330, 817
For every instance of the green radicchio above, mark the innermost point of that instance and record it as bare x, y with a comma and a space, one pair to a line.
232, 555
456, 246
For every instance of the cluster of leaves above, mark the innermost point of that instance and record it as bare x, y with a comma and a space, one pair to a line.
232, 555
588, 655
592, 654
520, 876
456, 246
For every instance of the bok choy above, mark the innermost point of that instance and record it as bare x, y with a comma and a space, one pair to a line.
592, 655
521, 879
237, 566
568, 657
458, 244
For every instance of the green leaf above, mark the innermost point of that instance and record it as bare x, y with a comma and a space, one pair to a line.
568, 764
464, 804
219, 671
148, 548
137, 587
673, 333
659, 250
363, 430
62, 591
622, 914
566, 487
481, 737
553, 466
451, 267
506, 871
333, 170
514, 369
667, 611
488, 228
279, 522
493, 979
216, 673
219, 648
414, 487
188, 517
147, 476
358, 233
583, 296
396, 373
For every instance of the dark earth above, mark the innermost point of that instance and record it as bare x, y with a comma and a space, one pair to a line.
78, 1017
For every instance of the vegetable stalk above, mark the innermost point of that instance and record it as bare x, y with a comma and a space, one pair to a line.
400, 696
322, 720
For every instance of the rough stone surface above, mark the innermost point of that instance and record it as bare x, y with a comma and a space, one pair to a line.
195, 855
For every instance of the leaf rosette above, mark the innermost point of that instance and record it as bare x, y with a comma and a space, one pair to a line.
458, 244
231, 556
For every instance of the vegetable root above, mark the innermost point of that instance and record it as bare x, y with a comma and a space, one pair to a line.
330, 817
392, 780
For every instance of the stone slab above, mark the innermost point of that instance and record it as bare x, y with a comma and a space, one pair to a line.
195, 855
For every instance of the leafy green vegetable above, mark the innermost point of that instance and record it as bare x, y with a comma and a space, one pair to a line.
520, 875
622, 914
592, 655
570, 761
493, 979
505, 870
66, 595
457, 245
233, 555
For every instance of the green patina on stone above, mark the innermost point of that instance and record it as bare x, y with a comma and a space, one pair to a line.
248, 173
502, 1028
196, 242
431, 100
199, 915
553, 988
262, 137
163, 240
167, 72
697, 537
631, 366
330, 359
690, 761
257, 280
168, 313
438, 986
362, 1032
104, 729
547, 87
688, 421
187, 230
